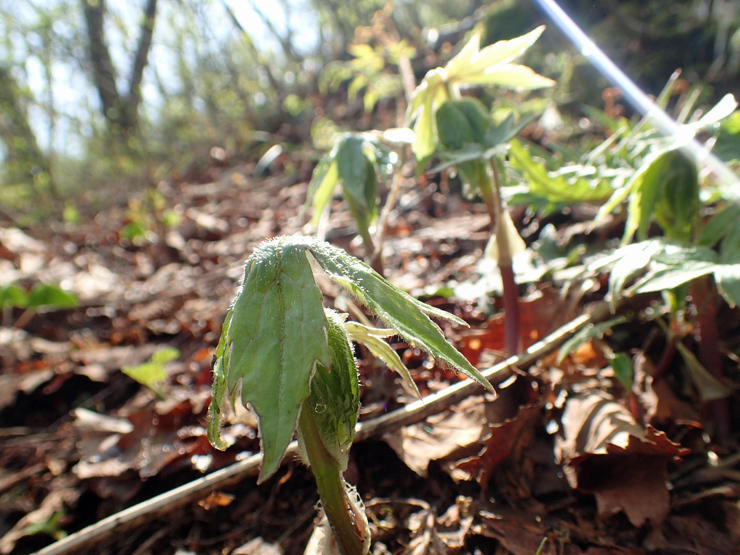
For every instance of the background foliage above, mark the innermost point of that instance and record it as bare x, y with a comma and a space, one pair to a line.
172, 79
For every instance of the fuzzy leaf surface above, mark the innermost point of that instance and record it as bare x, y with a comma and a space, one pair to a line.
334, 396
276, 336
398, 310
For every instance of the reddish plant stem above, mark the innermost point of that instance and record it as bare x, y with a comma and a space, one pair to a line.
665, 361
706, 300
512, 329
491, 194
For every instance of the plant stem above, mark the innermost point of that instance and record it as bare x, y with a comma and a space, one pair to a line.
705, 298
489, 190
347, 521
376, 258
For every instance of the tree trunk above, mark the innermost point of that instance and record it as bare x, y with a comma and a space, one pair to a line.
103, 70
119, 111
133, 99
25, 160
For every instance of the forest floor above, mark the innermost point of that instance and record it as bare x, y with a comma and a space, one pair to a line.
564, 452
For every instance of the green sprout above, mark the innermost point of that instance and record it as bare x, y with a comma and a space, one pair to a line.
288, 357
358, 162
463, 134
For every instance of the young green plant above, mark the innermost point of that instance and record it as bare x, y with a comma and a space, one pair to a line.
463, 133
692, 260
291, 360
357, 162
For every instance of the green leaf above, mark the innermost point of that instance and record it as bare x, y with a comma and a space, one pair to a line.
398, 310
276, 337
666, 189
592, 331
163, 356
506, 130
453, 127
723, 109
709, 387
352, 168
53, 296
476, 114
727, 146
372, 338
152, 372
629, 262
276, 334
512, 76
471, 66
729, 248
321, 189
555, 189
622, 366
727, 277
422, 107
472, 62
334, 396
13, 296
218, 393
720, 224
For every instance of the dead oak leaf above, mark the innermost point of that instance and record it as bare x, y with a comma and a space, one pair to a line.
441, 435
500, 442
607, 453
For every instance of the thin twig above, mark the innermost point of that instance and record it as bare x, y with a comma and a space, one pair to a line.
148, 510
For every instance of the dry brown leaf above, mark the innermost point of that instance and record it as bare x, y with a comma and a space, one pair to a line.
440, 435
610, 455
258, 546
62, 494
498, 445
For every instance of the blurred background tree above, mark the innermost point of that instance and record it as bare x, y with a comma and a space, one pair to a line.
100, 98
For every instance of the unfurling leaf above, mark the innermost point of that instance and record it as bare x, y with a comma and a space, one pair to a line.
372, 338
471, 67
355, 163
335, 396
276, 336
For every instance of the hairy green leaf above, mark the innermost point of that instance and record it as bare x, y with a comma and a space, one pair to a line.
276, 334
398, 310
334, 395
372, 338
276, 337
